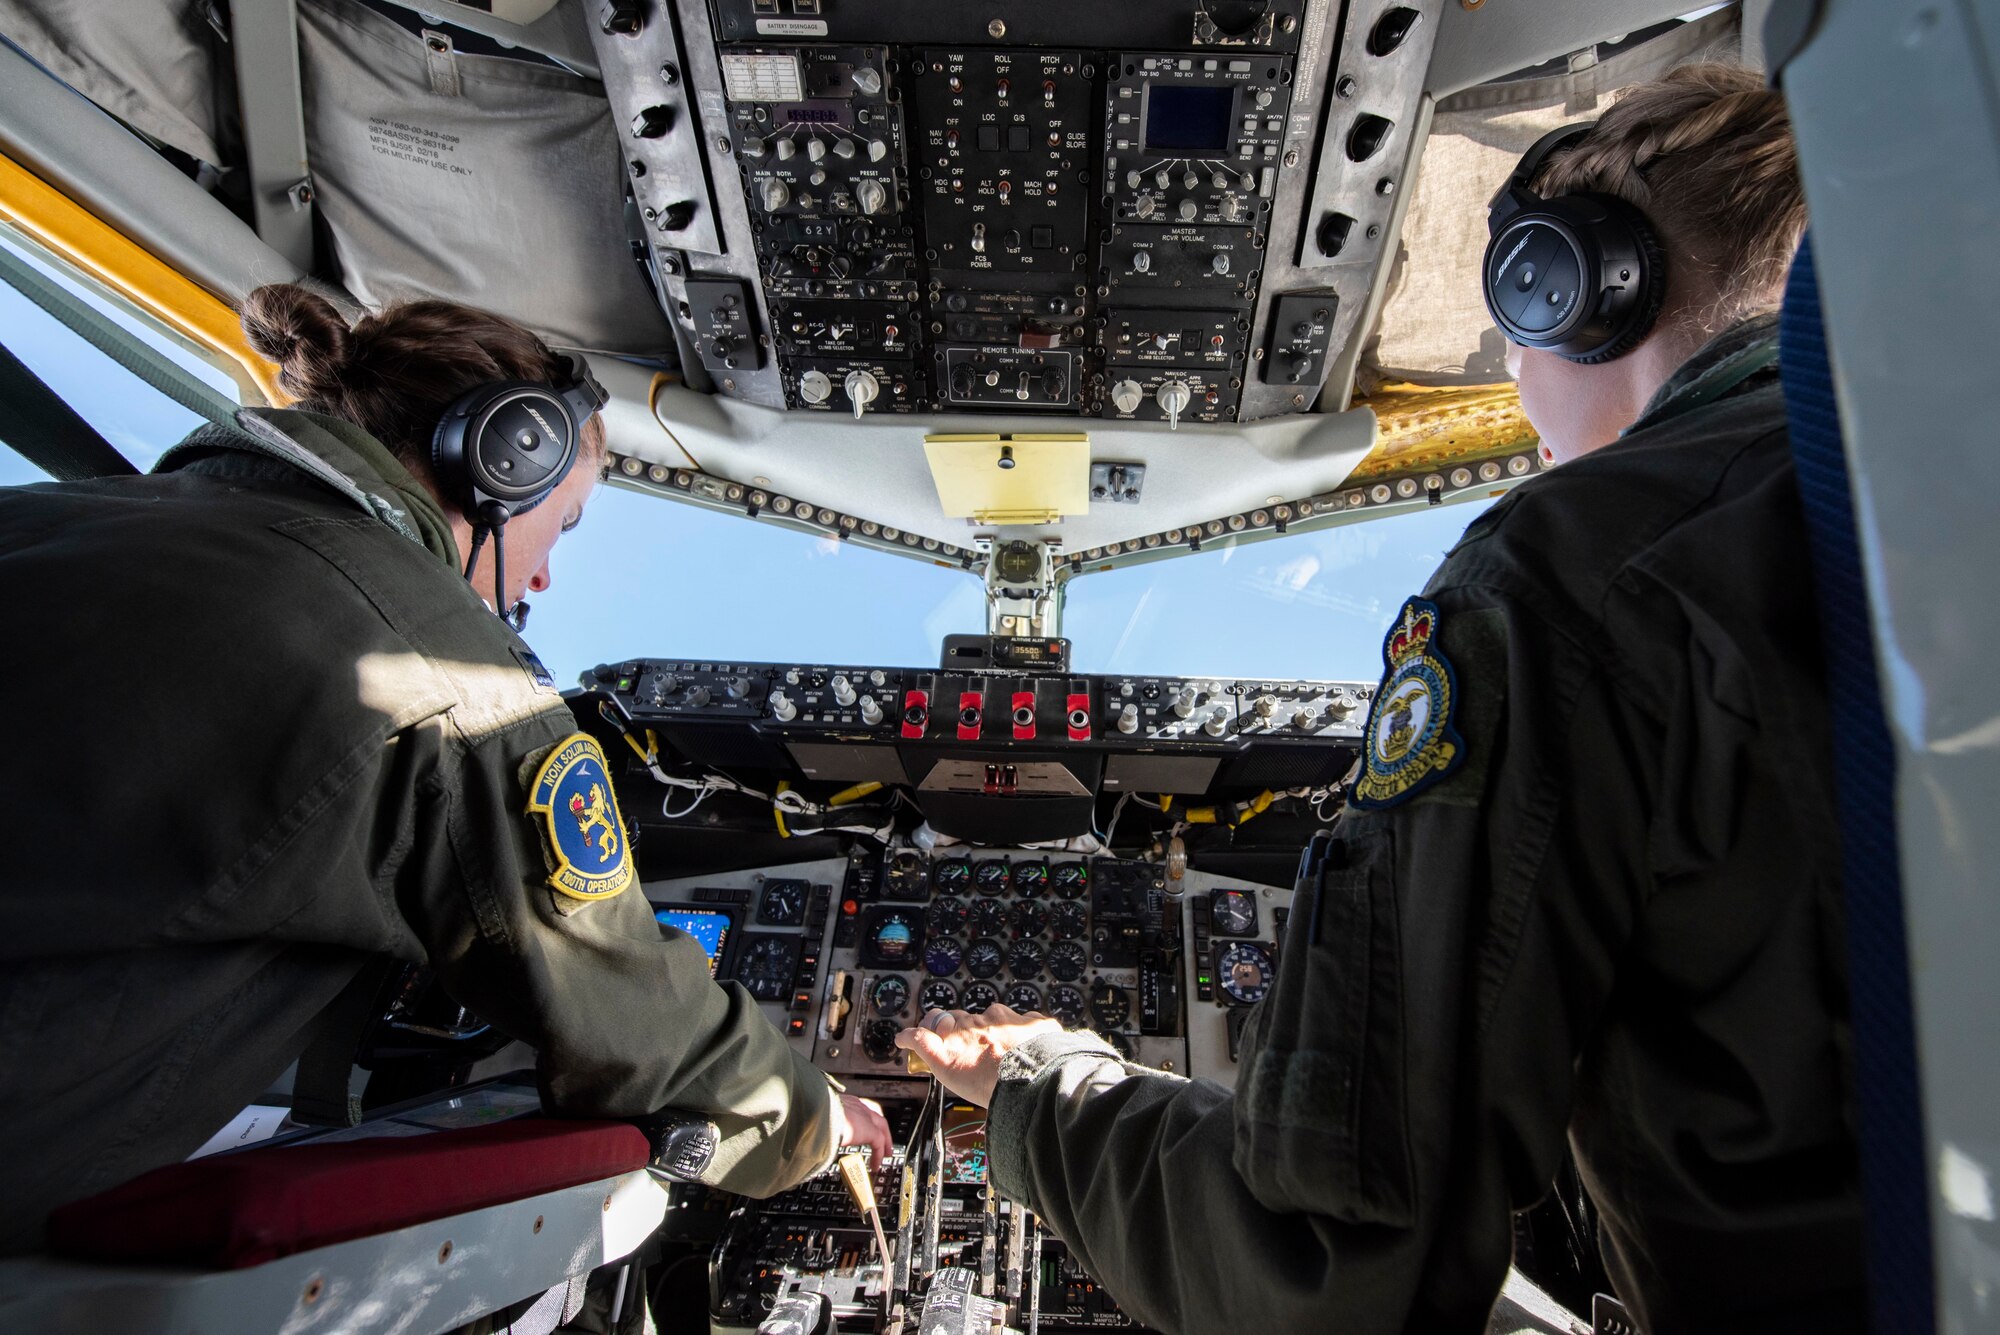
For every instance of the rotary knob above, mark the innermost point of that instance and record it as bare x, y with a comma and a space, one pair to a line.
1340, 707
1142, 261
1128, 719
782, 708
1126, 396
815, 149
862, 389
844, 148
1216, 723
786, 150
871, 197
814, 387
843, 691
1184, 702
1173, 398
871, 713
755, 147
877, 150
1266, 706
867, 81
1189, 210
775, 195
1305, 719
698, 696
1220, 264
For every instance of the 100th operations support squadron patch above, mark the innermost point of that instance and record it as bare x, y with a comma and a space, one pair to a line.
586, 839
1410, 741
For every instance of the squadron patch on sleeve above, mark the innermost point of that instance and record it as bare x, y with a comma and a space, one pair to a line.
1410, 742
572, 793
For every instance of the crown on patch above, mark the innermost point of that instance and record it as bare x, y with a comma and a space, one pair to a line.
1413, 636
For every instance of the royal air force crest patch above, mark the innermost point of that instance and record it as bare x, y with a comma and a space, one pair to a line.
572, 794
1410, 741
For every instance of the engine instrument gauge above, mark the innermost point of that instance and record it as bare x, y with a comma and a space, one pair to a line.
938, 995
1025, 960
1030, 918
990, 876
1068, 920
1233, 913
941, 958
1109, 1005
783, 903
1070, 879
1031, 878
1024, 997
977, 997
1244, 972
989, 917
1066, 961
1066, 1005
983, 958
889, 995
947, 916
951, 876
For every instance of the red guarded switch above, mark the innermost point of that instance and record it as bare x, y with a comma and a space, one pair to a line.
1079, 716
1024, 716
916, 713
969, 720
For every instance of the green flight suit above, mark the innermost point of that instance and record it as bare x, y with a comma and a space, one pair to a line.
262, 733
1613, 914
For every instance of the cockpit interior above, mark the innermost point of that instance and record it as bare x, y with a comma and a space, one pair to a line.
1029, 299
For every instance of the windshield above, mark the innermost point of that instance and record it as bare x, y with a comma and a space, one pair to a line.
1308, 605
645, 577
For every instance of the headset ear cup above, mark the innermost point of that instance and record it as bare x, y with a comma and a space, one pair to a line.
1652, 295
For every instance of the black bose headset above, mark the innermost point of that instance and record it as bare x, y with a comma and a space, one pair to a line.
502, 448
1582, 276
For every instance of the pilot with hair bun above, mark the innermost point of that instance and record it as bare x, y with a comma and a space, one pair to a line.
1586, 885
309, 745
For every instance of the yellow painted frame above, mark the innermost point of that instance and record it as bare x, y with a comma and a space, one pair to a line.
69, 230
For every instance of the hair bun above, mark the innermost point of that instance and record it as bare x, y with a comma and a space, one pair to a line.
300, 331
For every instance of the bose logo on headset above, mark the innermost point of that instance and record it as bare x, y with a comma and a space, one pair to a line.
1592, 274
491, 460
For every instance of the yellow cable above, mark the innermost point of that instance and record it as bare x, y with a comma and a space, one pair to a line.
854, 794
1166, 802
784, 786
141, 277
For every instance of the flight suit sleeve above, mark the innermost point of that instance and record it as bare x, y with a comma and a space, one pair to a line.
623, 1014
1407, 1081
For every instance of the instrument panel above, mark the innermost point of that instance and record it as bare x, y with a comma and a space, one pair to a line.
925, 207
843, 953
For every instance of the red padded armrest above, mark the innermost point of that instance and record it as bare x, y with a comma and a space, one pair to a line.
234, 1210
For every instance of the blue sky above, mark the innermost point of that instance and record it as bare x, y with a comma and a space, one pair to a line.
646, 577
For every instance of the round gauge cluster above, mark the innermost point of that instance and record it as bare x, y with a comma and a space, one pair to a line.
994, 930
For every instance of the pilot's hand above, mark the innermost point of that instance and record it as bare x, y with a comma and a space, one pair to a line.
964, 1050
858, 1121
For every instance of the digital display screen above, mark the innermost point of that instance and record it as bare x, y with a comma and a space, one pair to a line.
964, 1144
1189, 122
709, 928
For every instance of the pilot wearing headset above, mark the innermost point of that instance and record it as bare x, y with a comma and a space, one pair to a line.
264, 733
1585, 886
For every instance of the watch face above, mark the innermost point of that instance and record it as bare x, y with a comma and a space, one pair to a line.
1070, 879
951, 876
938, 995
